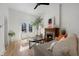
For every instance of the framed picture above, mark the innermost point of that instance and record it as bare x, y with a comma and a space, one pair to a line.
50, 23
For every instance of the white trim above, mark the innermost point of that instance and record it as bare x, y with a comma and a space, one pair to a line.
2, 52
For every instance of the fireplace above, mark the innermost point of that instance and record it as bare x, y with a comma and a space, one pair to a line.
51, 33
50, 37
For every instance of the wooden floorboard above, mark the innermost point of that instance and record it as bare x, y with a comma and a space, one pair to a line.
18, 48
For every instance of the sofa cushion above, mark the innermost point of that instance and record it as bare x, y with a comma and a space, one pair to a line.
42, 49
66, 47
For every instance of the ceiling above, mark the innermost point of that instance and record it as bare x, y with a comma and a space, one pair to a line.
24, 7
29, 8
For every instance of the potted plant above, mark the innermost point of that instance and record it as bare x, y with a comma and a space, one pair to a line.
11, 35
37, 23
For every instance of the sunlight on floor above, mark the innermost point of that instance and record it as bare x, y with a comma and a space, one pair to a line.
23, 48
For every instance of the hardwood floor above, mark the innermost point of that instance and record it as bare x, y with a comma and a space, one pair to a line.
19, 48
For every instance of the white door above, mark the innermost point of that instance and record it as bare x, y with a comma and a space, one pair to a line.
2, 46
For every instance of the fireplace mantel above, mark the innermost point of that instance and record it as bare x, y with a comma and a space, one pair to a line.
50, 33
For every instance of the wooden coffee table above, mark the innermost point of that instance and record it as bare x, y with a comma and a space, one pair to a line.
35, 41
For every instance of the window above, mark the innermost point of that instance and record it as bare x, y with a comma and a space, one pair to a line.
30, 28
24, 27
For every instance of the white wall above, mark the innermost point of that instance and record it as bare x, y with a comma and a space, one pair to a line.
16, 20
3, 30
2, 46
17, 17
47, 12
70, 17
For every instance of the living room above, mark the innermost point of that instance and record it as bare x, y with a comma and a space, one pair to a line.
14, 15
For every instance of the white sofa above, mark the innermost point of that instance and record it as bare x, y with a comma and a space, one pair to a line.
67, 47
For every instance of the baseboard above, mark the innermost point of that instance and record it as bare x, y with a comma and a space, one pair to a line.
2, 52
